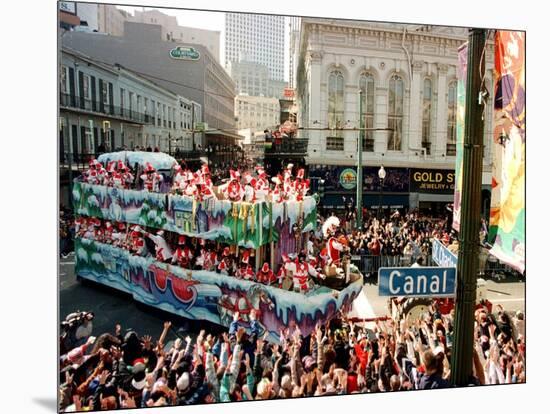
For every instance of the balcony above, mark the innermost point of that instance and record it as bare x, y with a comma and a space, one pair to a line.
286, 147
97, 108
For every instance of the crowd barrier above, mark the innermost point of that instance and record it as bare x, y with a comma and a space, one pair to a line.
489, 266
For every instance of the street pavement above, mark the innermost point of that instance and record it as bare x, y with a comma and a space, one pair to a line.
111, 307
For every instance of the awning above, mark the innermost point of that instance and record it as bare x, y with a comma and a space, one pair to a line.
369, 200
217, 132
444, 198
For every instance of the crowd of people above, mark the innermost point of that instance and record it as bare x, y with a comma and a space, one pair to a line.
251, 185
126, 370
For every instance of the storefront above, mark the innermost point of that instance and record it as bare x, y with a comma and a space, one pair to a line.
431, 190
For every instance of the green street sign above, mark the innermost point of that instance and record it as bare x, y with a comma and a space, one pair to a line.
348, 178
185, 53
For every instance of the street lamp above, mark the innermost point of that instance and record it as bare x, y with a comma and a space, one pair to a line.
381, 175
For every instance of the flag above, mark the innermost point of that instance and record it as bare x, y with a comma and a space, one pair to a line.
507, 218
460, 116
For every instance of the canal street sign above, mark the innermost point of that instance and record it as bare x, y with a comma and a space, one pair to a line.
442, 256
185, 53
417, 281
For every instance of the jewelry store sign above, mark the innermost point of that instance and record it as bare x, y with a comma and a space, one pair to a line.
185, 53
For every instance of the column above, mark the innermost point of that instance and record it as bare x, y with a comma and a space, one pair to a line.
440, 143
316, 138
415, 129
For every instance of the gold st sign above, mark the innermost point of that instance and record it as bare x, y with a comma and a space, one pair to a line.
432, 181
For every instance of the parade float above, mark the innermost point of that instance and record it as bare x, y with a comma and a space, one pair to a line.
271, 230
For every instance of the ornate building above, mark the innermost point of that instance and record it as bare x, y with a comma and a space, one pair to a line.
408, 77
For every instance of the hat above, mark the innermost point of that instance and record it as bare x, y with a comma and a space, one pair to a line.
121, 226
265, 267
183, 382
139, 380
149, 168
246, 257
122, 166
289, 166
276, 179
181, 239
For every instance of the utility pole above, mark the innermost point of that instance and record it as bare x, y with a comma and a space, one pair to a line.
359, 180
470, 210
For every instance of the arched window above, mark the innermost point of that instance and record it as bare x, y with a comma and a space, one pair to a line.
366, 85
395, 113
427, 115
451, 119
335, 140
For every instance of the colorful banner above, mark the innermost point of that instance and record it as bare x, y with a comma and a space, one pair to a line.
507, 220
460, 117
424, 180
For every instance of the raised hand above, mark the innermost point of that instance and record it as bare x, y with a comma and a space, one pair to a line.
147, 342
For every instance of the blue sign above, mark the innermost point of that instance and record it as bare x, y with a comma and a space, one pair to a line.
417, 281
442, 256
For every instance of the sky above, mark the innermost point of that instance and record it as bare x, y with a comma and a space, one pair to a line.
208, 20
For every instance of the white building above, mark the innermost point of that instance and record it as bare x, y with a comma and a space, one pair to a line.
107, 104
111, 20
260, 37
172, 31
256, 112
408, 76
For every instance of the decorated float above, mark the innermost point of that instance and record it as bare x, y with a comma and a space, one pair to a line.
269, 229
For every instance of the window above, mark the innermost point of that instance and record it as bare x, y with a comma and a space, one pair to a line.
335, 141
395, 113
145, 104
122, 93
130, 102
426, 115
86, 87
451, 118
366, 85
164, 115
105, 93
64, 79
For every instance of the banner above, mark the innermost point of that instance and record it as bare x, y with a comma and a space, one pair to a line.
507, 219
432, 181
460, 116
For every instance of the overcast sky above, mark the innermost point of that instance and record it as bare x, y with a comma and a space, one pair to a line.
206, 20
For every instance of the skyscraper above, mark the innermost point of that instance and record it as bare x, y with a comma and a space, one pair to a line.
260, 38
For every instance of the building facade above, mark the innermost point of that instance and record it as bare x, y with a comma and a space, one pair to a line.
250, 78
171, 31
110, 107
260, 37
408, 76
187, 70
110, 19
257, 113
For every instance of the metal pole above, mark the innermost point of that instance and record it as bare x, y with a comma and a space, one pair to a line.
463, 335
359, 195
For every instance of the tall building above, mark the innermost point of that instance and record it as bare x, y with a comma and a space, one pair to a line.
408, 75
294, 45
171, 31
111, 20
259, 37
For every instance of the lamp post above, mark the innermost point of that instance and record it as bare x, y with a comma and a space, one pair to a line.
381, 175
360, 165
